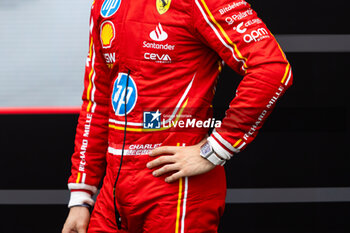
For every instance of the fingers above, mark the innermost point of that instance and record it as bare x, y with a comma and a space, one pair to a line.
74, 228
161, 160
69, 230
81, 228
166, 169
175, 176
164, 150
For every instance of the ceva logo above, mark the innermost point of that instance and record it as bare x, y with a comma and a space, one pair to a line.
164, 58
159, 34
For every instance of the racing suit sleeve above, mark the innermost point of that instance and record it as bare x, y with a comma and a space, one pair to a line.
233, 29
88, 159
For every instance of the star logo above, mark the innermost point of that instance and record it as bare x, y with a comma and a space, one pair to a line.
151, 120
155, 115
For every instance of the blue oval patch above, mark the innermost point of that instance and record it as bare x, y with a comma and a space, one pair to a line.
109, 7
118, 95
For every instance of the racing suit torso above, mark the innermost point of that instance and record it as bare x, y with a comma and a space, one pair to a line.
166, 55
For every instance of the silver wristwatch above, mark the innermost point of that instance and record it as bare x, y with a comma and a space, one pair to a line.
208, 153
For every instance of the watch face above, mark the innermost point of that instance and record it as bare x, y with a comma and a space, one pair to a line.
206, 149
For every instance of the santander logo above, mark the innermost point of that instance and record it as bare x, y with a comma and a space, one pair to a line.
159, 34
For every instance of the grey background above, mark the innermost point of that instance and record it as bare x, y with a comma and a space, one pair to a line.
43, 48
266, 195
44, 45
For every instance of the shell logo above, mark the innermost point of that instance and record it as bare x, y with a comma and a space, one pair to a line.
107, 34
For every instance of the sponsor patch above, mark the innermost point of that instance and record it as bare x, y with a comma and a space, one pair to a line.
118, 95
240, 28
256, 35
241, 15
158, 46
109, 7
110, 59
162, 6
107, 34
232, 6
159, 58
158, 34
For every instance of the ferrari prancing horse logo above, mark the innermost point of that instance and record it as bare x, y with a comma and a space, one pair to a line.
163, 6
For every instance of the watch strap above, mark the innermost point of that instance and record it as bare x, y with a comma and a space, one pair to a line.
213, 158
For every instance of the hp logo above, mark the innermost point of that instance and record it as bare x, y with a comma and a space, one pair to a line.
118, 95
109, 7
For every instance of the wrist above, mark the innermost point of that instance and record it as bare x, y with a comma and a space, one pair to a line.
85, 205
78, 198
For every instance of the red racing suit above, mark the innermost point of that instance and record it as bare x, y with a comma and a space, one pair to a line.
168, 54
